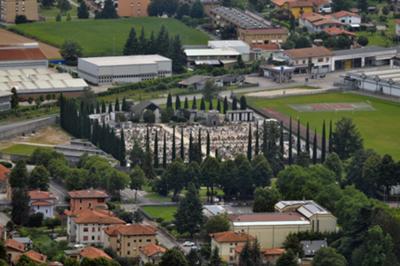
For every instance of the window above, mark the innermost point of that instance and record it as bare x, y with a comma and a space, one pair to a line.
129, 244
85, 229
85, 238
129, 252
93, 229
320, 60
93, 238
148, 240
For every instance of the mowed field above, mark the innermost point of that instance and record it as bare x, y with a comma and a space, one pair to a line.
380, 128
106, 37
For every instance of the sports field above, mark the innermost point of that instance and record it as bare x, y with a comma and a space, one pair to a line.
106, 37
164, 212
378, 125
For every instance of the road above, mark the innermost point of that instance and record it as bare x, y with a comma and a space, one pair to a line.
60, 192
4, 219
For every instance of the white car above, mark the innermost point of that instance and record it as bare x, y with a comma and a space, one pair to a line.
188, 244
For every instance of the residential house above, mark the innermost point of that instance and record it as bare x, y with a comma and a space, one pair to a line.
93, 253
314, 22
133, 8
36, 257
42, 202
314, 60
226, 242
196, 82
334, 32
127, 239
14, 250
269, 255
151, 253
87, 199
87, 226
301, 7
5, 188
350, 19
271, 35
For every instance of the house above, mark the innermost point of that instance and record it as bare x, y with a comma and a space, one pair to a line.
315, 22
42, 202
36, 257
87, 199
333, 32
269, 255
350, 19
127, 239
226, 242
5, 188
230, 80
87, 226
314, 60
196, 82
310, 248
93, 253
14, 250
151, 253
271, 35
300, 7
133, 8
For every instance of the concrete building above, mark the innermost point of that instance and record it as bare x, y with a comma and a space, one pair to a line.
10, 9
275, 35
42, 202
215, 57
124, 69
226, 242
5, 101
87, 199
350, 19
26, 55
151, 254
314, 60
239, 115
242, 47
127, 240
133, 8
87, 226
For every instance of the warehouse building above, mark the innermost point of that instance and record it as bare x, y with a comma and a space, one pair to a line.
5, 101
33, 82
22, 55
124, 69
238, 45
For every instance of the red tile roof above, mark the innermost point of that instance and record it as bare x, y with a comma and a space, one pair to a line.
230, 236
152, 249
265, 47
88, 194
41, 195
96, 217
4, 173
268, 216
42, 203
273, 251
36, 257
93, 253
14, 54
344, 13
14, 244
131, 230
337, 31
301, 3
308, 52
265, 31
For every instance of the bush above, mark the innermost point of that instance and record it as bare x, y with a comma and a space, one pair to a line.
20, 19
362, 40
35, 220
149, 117
51, 223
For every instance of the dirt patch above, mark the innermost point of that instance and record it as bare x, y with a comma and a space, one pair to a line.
284, 92
8, 37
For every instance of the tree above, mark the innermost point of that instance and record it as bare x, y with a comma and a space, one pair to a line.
108, 11
83, 11
346, 139
362, 5
323, 143
173, 257
194, 258
292, 242
215, 259
290, 152
217, 223
249, 144
315, 148
239, 63
209, 90
298, 138
39, 178
243, 103
334, 164
194, 103
19, 175
250, 254
137, 179
14, 98
20, 206
64, 6
25, 261
209, 174
174, 176
71, 51
46, 4
341, 5
330, 137
182, 147
149, 117
189, 215
265, 199
183, 10
328, 256
208, 143
362, 40
287, 259
131, 47
164, 157
177, 56
261, 171
202, 104
197, 10
169, 101
155, 159
226, 105
177, 102
234, 103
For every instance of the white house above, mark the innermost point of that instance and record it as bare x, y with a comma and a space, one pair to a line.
42, 202
350, 19
314, 60
315, 22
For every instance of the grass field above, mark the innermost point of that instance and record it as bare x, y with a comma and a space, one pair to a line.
379, 128
20, 149
50, 14
106, 37
164, 212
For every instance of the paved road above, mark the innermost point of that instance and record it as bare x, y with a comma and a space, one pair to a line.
4, 218
60, 192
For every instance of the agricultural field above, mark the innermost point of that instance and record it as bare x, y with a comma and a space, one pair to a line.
166, 213
379, 127
106, 37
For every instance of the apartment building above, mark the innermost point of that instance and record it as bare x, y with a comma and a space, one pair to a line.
87, 199
227, 242
42, 202
10, 9
127, 240
133, 8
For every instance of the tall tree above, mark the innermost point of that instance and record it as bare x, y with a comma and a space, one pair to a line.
19, 175
194, 103
173, 149
202, 104
83, 11
189, 215
137, 179
215, 259
323, 143
20, 205
298, 137
197, 10
226, 105
281, 140
199, 143
257, 144
182, 148
208, 144
186, 104
265, 199
14, 98
169, 101
177, 55
287, 259
122, 149
131, 45
177, 102
164, 162
315, 147
290, 156
243, 103
219, 105
308, 138
156, 161
71, 51
249, 144
108, 11
251, 254
173, 257
328, 256
234, 103
210, 104
346, 139
191, 155
39, 178
330, 137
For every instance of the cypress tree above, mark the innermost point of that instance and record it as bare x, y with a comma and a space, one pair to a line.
323, 143
142, 43
219, 105
210, 107
234, 103
298, 138
124, 105
194, 103
151, 44
156, 150
182, 146
315, 147
330, 137
290, 142
281, 140
122, 158
226, 105
110, 108
176, 54
202, 104
208, 144
116, 108
147, 140
169, 101
257, 146
103, 107
308, 138
131, 45
177, 103
199, 143
97, 107
173, 149
186, 104
190, 147
249, 144
265, 138
164, 162
243, 103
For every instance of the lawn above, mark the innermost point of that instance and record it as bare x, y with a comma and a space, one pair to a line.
379, 128
164, 212
20, 149
106, 37
50, 14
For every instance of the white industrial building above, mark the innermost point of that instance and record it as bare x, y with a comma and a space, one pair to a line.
238, 45
124, 69
39, 81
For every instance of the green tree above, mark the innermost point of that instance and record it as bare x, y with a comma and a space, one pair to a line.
209, 91
137, 179
83, 11
334, 164
194, 258
217, 223
292, 242
149, 117
131, 44
19, 175
155, 159
261, 171
71, 51
265, 199
250, 254
197, 10
210, 173
323, 142
173, 257
64, 6
177, 102
25, 261
14, 98
20, 206
169, 101
346, 139
215, 259
177, 56
174, 175
250, 144
239, 63
108, 11
39, 178
189, 216
287, 259
328, 256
